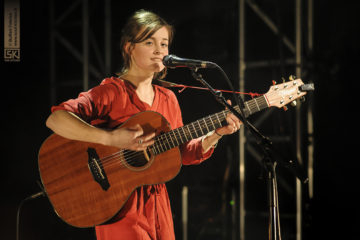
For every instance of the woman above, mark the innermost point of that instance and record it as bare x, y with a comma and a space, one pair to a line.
145, 41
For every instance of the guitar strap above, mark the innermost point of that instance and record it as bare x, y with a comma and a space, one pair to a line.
168, 84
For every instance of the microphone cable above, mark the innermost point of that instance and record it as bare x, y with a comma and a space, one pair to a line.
239, 101
33, 196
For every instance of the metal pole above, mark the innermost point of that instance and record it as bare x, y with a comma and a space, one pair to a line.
85, 36
310, 110
242, 138
185, 211
298, 119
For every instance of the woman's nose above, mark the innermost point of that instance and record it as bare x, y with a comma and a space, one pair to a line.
157, 49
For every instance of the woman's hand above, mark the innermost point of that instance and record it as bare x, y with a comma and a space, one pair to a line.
131, 138
233, 124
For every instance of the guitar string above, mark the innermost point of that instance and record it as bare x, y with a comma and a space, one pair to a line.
130, 155
208, 120
164, 137
134, 154
255, 104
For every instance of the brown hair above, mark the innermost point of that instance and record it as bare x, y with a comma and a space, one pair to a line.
147, 22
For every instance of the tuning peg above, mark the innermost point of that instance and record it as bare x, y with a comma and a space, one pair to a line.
283, 79
293, 103
273, 82
292, 77
285, 108
302, 99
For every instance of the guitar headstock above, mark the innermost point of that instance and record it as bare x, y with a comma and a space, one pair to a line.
282, 94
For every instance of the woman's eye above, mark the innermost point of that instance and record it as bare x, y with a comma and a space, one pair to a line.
148, 42
164, 45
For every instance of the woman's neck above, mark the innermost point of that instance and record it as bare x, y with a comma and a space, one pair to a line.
139, 80
143, 86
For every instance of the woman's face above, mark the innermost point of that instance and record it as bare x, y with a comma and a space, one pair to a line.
147, 56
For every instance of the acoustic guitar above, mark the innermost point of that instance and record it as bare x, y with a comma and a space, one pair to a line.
88, 184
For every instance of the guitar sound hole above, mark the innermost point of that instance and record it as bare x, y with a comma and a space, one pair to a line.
137, 159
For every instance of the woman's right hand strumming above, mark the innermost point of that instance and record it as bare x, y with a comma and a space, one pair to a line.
68, 125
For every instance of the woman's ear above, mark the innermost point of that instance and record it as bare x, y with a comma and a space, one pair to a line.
128, 48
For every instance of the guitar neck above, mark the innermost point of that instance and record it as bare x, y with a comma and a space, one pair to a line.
203, 126
255, 105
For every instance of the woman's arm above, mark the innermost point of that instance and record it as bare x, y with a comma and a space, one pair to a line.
68, 125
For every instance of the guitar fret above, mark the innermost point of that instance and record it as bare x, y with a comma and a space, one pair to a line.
156, 146
167, 140
246, 103
180, 135
192, 130
200, 127
254, 105
257, 106
167, 143
162, 149
153, 150
224, 114
188, 132
196, 127
206, 125
212, 123
172, 139
217, 116
264, 102
175, 138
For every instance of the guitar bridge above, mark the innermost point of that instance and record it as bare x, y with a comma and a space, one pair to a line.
97, 170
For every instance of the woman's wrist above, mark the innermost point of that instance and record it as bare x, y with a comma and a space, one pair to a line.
210, 140
104, 136
220, 135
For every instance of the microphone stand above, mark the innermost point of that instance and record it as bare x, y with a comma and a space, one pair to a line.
269, 157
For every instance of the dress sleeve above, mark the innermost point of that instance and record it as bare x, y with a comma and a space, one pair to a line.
92, 106
191, 152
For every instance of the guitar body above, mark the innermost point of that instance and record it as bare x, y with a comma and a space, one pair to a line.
87, 184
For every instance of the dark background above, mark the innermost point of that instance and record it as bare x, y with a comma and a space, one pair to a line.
204, 30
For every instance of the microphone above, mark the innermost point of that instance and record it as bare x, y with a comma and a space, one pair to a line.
172, 61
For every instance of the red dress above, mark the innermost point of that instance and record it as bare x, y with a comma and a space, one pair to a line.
147, 213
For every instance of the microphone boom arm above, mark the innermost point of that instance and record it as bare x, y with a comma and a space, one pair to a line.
217, 94
238, 100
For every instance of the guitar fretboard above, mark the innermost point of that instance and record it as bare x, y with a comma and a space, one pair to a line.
202, 126
255, 105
